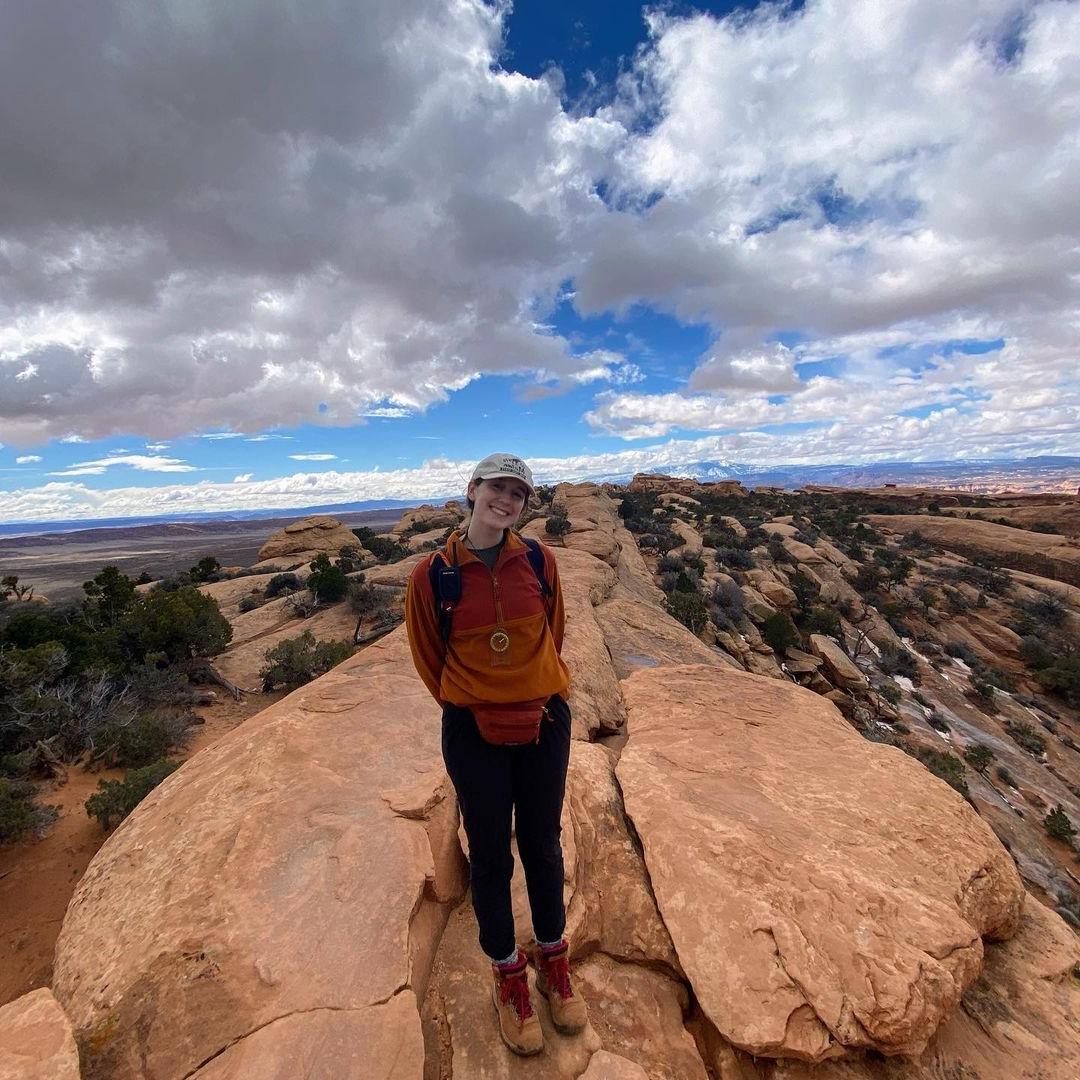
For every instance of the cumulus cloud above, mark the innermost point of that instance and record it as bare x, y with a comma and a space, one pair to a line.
243, 478
139, 462
27, 459
858, 174
247, 216
226, 219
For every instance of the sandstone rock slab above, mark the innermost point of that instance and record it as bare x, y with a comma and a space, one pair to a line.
36, 1040
840, 666
604, 1065
267, 877
823, 893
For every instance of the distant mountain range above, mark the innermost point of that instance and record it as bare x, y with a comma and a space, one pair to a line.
1036, 474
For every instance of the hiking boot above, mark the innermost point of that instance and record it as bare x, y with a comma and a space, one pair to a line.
519, 1025
553, 981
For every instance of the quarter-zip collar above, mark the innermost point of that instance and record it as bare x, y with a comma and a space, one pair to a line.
460, 555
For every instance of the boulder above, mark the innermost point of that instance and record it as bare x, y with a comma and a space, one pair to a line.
417, 541
802, 553
310, 536
840, 666
756, 606
604, 1065
430, 519
673, 498
692, 538
823, 893
36, 1040
250, 919
734, 524
779, 528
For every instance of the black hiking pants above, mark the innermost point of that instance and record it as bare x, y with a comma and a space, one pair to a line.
494, 783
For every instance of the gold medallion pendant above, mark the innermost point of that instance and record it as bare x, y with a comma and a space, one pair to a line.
499, 641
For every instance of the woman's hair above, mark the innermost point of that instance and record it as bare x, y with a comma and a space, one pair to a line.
468, 498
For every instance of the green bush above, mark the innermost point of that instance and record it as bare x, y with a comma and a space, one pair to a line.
823, 620
1035, 653
142, 739
299, 660
734, 559
899, 662
326, 582
182, 624
690, 609
1063, 678
979, 756
557, 524
281, 583
1044, 610
115, 799
19, 813
946, 767
208, 569
383, 548
778, 631
1025, 736
1058, 825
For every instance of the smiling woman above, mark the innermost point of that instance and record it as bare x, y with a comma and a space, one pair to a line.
485, 619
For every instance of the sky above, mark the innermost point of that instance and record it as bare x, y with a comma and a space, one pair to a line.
258, 254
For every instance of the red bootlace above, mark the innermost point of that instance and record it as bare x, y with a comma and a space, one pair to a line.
558, 975
515, 988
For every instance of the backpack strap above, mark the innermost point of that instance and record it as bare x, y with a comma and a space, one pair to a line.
536, 561
445, 579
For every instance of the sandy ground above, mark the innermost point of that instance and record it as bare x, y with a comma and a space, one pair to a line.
38, 877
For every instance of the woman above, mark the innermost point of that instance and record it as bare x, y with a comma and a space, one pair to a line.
485, 620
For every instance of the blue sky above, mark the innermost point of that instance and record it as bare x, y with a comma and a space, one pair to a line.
606, 237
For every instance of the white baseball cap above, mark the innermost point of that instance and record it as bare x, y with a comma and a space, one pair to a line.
504, 465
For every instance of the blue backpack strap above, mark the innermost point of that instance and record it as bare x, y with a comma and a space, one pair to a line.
536, 560
445, 582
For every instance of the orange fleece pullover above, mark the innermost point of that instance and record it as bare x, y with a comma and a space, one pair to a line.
468, 671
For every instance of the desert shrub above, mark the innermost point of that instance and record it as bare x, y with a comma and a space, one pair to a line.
557, 524
1044, 610
937, 722
366, 601
899, 662
349, 558
1044, 527
1058, 826
248, 603
720, 536
143, 738
916, 541
115, 799
778, 553
779, 632
636, 509
109, 596
326, 582
958, 650
689, 608
890, 692
19, 813
1063, 678
984, 690
805, 590
181, 624
1005, 776
1035, 653
301, 605
383, 548
822, 620
205, 570
755, 536
979, 756
735, 559
728, 597
946, 767
282, 583
988, 579
299, 660
1025, 736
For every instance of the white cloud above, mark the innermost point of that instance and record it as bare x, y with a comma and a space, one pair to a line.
27, 459
394, 205
313, 457
157, 447
243, 478
139, 462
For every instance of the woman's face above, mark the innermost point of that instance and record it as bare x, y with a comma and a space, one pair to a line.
499, 502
